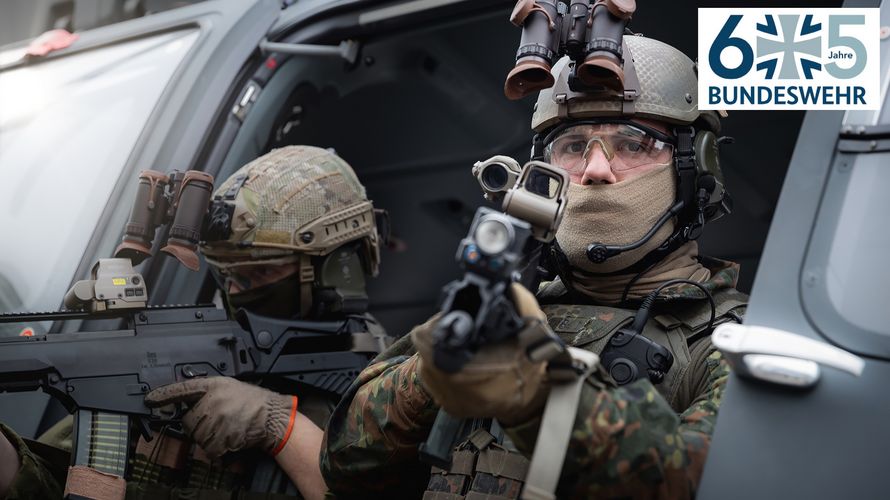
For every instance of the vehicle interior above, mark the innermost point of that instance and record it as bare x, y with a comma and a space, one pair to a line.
424, 101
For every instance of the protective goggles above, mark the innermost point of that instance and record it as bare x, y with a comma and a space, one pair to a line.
250, 274
625, 146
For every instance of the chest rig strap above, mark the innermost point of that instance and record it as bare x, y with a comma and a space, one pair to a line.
692, 324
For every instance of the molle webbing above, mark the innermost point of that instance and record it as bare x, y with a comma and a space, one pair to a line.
481, 469
452, 484
168, 463
581, 325
163, 460
591, 327
731, 306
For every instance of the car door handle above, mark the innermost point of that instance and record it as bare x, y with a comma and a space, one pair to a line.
780, 357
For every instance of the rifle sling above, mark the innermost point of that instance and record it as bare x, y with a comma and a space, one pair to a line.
556, 430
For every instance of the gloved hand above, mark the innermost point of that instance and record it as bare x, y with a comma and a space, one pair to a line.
499, 381
229, 415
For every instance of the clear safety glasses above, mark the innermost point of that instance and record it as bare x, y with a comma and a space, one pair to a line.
247, 275
625, 146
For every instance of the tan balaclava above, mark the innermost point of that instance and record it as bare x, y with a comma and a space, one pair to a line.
620, 214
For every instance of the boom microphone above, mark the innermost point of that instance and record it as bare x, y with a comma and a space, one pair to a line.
598, 252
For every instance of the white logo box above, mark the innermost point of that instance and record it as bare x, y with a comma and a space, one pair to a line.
743, 66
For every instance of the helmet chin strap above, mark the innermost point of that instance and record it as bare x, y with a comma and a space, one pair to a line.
599, 252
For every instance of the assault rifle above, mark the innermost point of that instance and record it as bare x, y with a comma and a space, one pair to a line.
103, 376
500, 248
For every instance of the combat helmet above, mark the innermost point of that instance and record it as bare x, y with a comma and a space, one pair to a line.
660, 83
297, 204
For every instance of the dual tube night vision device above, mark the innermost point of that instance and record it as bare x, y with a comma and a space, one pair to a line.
182, 198
589, 31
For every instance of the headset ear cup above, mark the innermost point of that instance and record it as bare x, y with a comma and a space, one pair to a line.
710, 176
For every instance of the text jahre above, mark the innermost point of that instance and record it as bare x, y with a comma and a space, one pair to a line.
840, 55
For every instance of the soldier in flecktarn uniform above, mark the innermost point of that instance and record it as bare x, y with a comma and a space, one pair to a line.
645, 178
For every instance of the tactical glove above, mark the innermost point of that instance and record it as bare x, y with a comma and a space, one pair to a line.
229, 415
499, 381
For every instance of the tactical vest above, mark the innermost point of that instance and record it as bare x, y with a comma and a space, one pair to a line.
680, 325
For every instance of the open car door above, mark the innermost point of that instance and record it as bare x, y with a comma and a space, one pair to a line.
824, 276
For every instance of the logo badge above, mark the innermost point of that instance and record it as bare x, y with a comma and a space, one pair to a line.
789, 59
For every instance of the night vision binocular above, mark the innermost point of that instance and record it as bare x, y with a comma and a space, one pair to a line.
180, 197
589, 31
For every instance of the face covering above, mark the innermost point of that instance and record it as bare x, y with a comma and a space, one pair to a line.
616, 214
280, 299
619, 214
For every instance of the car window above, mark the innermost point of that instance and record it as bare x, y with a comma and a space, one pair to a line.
859, 251
24, 20
846, 272
67, 127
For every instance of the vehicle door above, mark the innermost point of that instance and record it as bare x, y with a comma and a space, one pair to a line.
824, 275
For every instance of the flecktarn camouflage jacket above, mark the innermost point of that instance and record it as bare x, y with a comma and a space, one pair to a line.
628, 441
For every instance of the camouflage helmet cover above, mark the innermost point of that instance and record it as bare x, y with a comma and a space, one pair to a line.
293, 200
668, 90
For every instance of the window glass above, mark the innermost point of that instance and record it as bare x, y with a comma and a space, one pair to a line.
67, 127
28, 19
858, 268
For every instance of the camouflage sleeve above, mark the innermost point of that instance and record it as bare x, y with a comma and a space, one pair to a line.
370, 445
37, 477
628, 442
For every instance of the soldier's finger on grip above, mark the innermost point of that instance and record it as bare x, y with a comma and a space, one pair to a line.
194, 420
188, 391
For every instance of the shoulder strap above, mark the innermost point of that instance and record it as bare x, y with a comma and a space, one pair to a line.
579, 325
693, 320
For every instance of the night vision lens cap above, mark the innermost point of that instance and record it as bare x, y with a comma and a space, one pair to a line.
529, 75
